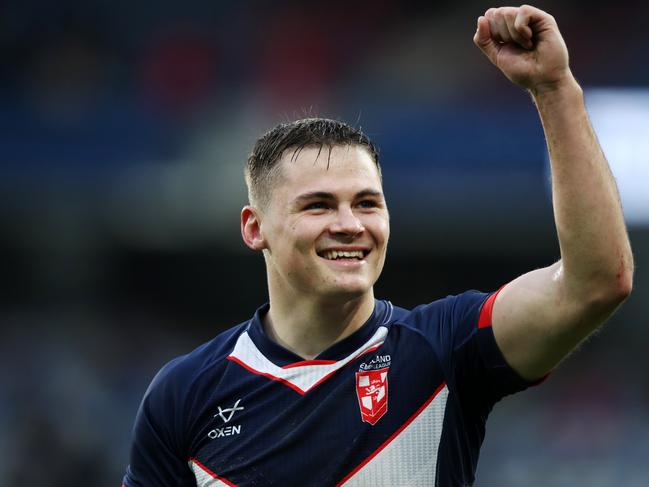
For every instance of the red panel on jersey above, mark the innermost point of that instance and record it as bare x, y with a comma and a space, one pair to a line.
485, 313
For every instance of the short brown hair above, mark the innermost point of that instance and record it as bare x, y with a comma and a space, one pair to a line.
261, 167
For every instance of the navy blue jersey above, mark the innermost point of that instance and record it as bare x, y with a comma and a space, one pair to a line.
402, 401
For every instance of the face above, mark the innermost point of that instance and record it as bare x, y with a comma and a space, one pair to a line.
325, 230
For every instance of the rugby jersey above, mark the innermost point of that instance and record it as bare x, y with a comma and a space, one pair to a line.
401, 402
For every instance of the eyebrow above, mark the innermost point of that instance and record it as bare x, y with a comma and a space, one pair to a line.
323, 195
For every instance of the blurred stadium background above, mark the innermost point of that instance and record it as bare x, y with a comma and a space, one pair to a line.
124, 127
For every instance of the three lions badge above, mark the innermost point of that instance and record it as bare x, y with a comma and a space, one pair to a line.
372, 393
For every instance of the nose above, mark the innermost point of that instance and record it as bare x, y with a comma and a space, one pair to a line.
346, 223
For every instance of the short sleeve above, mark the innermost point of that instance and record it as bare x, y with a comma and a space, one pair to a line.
459, 330
157, 457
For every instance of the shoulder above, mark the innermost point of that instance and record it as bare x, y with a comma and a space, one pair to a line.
444, 323
178, 376
449, 309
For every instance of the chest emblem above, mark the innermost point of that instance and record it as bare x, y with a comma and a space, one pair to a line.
372, 393
226, 415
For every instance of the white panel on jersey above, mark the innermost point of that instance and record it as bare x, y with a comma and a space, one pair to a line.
303, 377
203, 478
411, 457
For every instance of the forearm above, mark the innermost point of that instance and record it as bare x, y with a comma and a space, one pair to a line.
595, 251
542, 315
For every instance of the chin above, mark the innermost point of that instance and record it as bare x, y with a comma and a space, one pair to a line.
348, 291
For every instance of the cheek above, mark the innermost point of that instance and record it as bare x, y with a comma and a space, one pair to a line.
305, 232
386, 229
380, 229
298, 238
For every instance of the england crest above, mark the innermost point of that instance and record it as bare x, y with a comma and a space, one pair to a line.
372, 392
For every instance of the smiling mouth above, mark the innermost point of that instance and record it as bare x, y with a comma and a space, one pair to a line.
344, 254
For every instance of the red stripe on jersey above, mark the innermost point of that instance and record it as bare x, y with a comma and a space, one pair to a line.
288, 383
369, 350
210, 473
487, 308
309, 362
265, 374
393, 436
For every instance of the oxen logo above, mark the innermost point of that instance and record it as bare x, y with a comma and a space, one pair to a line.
226, 415
372, 392
231, 410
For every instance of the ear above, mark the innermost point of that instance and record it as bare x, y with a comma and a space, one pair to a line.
251, 228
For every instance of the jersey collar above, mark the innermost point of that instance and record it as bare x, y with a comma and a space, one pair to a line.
282, 357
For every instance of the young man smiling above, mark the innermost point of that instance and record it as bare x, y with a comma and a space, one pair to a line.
324, 233
326, 385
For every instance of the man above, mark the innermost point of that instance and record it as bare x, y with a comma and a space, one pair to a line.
326, 385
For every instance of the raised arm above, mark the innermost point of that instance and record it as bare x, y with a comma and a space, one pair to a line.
541, 316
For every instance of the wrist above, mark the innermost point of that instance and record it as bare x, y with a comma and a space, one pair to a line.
566, 86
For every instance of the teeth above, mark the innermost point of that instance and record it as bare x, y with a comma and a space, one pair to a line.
346, 254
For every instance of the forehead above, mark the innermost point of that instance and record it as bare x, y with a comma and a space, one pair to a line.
334, 169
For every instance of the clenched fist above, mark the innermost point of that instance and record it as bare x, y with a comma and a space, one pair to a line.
526, 45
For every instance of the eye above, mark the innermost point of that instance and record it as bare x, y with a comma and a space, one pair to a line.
316, 205
368, 204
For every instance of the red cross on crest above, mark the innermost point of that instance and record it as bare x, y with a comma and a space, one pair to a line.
372, 392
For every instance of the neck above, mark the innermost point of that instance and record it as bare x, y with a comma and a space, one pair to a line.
307, 327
